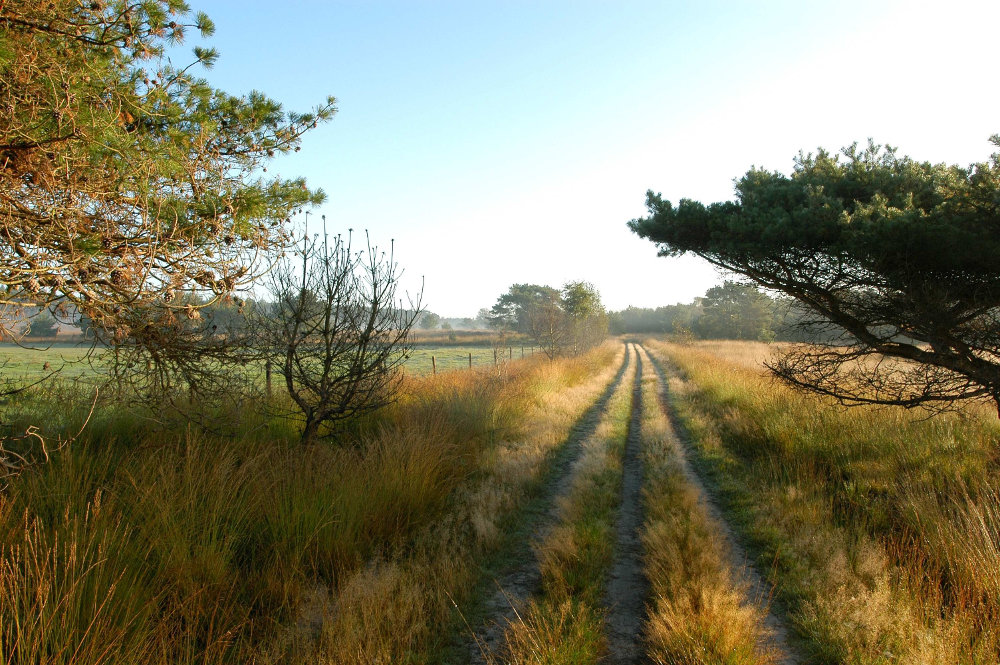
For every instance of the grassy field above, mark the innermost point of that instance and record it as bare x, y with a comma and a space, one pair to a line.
464, 338
876, 531
450, 357
20, 364
880, 527
28, 364
152, 545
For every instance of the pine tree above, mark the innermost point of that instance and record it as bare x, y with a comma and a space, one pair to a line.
892, 264
124, 179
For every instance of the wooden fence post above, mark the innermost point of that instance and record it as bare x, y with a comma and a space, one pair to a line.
267, 377
434, 366
470, 359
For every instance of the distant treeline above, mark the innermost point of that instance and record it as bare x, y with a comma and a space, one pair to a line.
729, 311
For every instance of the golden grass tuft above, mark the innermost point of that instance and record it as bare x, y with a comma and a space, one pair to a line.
75, 590
567, 632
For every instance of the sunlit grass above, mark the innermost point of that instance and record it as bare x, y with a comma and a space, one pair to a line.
699, 612
881, 524
552, 632
402, 607
148, 545
566, 624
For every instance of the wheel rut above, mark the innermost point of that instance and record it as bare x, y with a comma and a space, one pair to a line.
759, 590
626, 589
522, 578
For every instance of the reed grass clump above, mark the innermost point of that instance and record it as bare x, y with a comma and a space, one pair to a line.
549, 632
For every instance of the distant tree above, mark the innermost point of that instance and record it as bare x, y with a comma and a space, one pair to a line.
896, 256
429, 321
225, 317
548, 324
519, 309
125, 180
588, 321
43, 324
736, 311
581, 300
660, 320
482, 319
616, 323
572, 319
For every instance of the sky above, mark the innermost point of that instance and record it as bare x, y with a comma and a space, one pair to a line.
496, 143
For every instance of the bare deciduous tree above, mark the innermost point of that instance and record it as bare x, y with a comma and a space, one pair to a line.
335, 330
548, 324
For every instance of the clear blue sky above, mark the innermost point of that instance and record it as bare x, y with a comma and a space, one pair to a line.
505, 142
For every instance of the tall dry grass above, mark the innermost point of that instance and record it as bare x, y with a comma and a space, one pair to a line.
144, 545
412, 605
881, 524
565, 625
700, 612
748, 354
195, 551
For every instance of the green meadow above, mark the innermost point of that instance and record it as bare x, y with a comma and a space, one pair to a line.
24, 364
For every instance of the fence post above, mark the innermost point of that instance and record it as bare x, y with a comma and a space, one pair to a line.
434, 365
470, 359
267, 377
494, 356
510, 353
